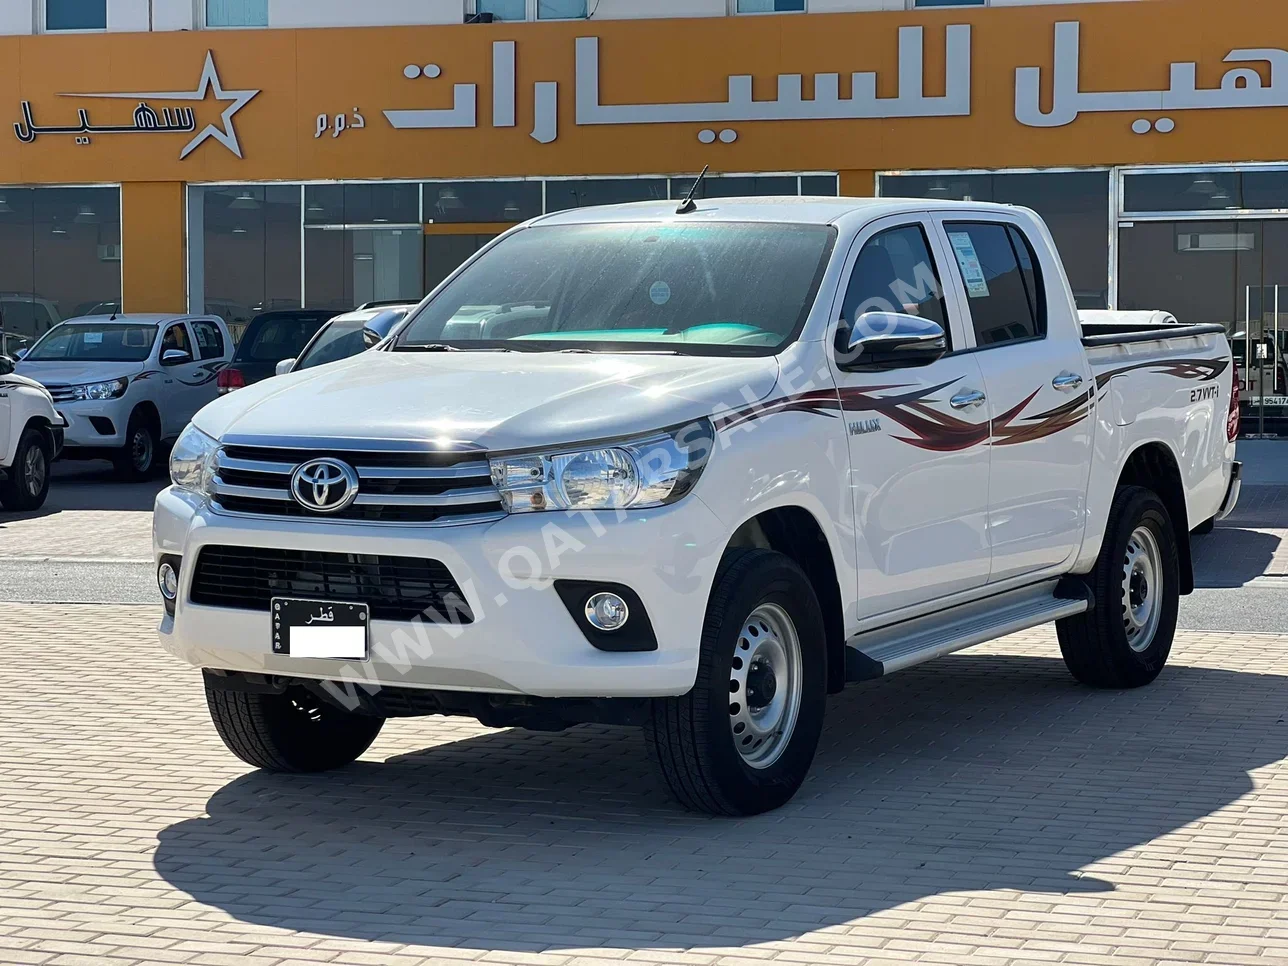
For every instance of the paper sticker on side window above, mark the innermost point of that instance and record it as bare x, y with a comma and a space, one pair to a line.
968, 261
93, 338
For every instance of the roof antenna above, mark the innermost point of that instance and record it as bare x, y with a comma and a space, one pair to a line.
688, 204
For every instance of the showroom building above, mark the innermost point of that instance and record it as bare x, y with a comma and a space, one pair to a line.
229, 156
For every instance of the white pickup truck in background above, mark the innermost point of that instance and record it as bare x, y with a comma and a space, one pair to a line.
695, 470
31, 436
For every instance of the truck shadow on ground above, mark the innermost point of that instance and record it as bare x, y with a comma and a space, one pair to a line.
92, 485
974, 773
1231, 557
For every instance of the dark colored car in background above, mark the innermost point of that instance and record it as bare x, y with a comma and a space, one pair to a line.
270, 338
351, 333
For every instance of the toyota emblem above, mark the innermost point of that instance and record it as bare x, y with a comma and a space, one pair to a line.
324, 485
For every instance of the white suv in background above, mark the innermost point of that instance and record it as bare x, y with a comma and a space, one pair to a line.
125, 383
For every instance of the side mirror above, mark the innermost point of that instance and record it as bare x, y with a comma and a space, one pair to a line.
20, 354
284, 367
175, 357
6, 365
892, 340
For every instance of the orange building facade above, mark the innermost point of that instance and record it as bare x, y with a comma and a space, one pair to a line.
234, 171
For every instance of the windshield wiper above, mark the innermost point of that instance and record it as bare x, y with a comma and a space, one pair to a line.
444, 347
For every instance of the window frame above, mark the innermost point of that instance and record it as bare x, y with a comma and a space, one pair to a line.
531, 10
42, 21
163, 331
944, 219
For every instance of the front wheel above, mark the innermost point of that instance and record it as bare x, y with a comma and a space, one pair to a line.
1124, 639
742, 741
136, 460
27, 483
290, 732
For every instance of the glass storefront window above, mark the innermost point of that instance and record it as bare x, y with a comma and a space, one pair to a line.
825, 185
737, 187
1201, 190
1074, 204
362, 204
581, 193
1234, 272
244, 250
60, 257
504, 9
481, 202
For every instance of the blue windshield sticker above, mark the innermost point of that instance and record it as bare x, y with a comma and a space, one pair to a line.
660, 293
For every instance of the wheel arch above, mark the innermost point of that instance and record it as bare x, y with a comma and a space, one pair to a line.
1153, 465
795, 531
148, 410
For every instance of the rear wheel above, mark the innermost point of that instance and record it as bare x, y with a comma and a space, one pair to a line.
741, 742
27, 483
291, 732
137, 459
1124, 640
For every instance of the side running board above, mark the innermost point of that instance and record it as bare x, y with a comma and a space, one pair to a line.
885, 650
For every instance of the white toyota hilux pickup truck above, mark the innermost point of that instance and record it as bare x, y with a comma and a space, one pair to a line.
694, 470
31, 436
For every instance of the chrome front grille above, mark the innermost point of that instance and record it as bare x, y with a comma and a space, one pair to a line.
394, 486
62, 393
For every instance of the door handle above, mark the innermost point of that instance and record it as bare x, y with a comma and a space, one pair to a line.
967, 399
1066, 381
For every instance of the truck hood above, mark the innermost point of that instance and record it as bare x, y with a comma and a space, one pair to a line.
76, 373
493, 400
15, 381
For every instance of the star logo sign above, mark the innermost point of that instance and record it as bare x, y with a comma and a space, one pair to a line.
223, 132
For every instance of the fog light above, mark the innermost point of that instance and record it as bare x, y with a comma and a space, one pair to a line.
168, 581
607, 612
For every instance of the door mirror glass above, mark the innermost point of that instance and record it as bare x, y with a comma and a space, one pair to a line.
20, 354
6, 365
175, 357
892, 340
284, 366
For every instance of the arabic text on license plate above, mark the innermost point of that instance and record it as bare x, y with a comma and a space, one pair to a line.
319, 628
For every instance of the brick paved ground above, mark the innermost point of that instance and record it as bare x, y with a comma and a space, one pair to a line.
979, 810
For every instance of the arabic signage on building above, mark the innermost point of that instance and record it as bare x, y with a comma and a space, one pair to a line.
1162, 80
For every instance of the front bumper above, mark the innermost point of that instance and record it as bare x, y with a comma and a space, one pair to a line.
1231, 491
523, 639
81, 433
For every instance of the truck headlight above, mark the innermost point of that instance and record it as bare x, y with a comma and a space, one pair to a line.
647, 472
113, 389
192, 461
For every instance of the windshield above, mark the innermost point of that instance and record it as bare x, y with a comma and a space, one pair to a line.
347, 337
725, 289
95, 342
272, 340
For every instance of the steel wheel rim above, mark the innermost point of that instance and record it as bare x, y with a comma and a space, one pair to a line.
34, 470
765, 686
141, 450
1142, 588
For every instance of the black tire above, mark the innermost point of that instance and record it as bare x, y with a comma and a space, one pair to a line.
691, 737
1095, 644
138, 458
27, 483
290, 732
1207, 526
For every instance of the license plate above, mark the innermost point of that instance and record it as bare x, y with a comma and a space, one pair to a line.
320, 628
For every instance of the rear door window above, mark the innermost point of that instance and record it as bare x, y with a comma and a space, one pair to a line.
277, 339
1000, 276
210, 341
